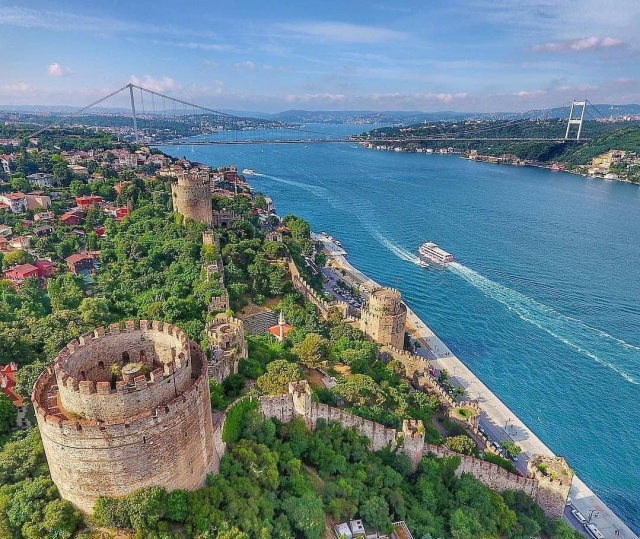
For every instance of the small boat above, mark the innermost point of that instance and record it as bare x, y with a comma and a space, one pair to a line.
248, 172
423, 264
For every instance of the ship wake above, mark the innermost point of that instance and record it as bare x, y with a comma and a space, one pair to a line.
591, 342
400, 252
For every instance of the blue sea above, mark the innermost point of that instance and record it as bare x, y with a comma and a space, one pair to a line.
543, 303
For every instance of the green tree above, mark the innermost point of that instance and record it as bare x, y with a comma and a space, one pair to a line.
95, 311
375, 512
313, 351
278, 376
26, 378
65, 292
360, 390
20, 183
61, 520
15, 258
78, 188
512, 449
462, 444
8, 413
306, 514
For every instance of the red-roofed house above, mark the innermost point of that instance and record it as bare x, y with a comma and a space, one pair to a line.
118, 213
72, 218
17, 202
79, 262
45, 268
88, 201
17, 274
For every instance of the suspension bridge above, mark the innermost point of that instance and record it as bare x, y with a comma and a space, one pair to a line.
157, 119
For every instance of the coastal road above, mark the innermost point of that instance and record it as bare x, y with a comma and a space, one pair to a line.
495, 411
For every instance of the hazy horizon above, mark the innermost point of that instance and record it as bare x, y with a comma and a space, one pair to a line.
486, 56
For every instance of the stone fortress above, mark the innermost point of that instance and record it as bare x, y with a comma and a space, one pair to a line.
384, 317
130, 408
191, 196
125, 409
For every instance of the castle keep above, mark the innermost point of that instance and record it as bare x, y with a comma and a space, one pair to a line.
384, 317
191, 197
125, 409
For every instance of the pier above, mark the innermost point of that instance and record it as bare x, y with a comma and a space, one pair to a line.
499, 420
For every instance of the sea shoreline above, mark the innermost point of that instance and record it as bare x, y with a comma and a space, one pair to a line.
582, 497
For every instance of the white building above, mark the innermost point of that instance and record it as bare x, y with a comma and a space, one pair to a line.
41, 179
17, 202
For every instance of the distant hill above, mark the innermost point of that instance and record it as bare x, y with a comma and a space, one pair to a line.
296, 116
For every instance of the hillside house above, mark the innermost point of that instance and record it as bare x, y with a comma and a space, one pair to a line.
20, 242
86, 202
17, 274
72, 218
36, 201
43, 230
44, 216
79, 262
17, 202
45, 268
41, 179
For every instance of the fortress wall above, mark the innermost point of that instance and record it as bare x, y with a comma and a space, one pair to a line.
310, 295
285, 409
278, 407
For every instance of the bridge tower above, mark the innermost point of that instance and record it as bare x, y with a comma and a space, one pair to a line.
577, 119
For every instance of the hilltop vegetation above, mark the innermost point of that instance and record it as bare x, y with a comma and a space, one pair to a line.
601, 137
278, 480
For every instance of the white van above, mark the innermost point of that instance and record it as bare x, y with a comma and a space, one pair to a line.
593, 531
579, 516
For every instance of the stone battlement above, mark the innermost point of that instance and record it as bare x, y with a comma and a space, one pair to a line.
410, 441
115, 403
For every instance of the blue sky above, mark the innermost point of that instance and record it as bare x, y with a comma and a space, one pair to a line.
481, 55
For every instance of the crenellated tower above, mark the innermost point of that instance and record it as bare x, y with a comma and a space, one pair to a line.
126, 408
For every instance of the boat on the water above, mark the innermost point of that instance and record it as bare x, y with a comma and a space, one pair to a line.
422, 264
248, 172
430, 251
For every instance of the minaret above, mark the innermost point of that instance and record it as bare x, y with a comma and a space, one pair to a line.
281, 323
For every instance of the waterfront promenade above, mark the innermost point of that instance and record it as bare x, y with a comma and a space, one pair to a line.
438, 354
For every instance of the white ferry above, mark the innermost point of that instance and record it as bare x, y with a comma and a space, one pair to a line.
430, 251
249, 172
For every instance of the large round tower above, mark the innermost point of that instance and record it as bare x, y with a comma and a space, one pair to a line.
384, 317
192, 196
124, 409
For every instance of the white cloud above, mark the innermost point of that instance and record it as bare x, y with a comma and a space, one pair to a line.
247, 65
532, 93
579, 45
57, 70
341, 32
15, 88
157, 85
315, 98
